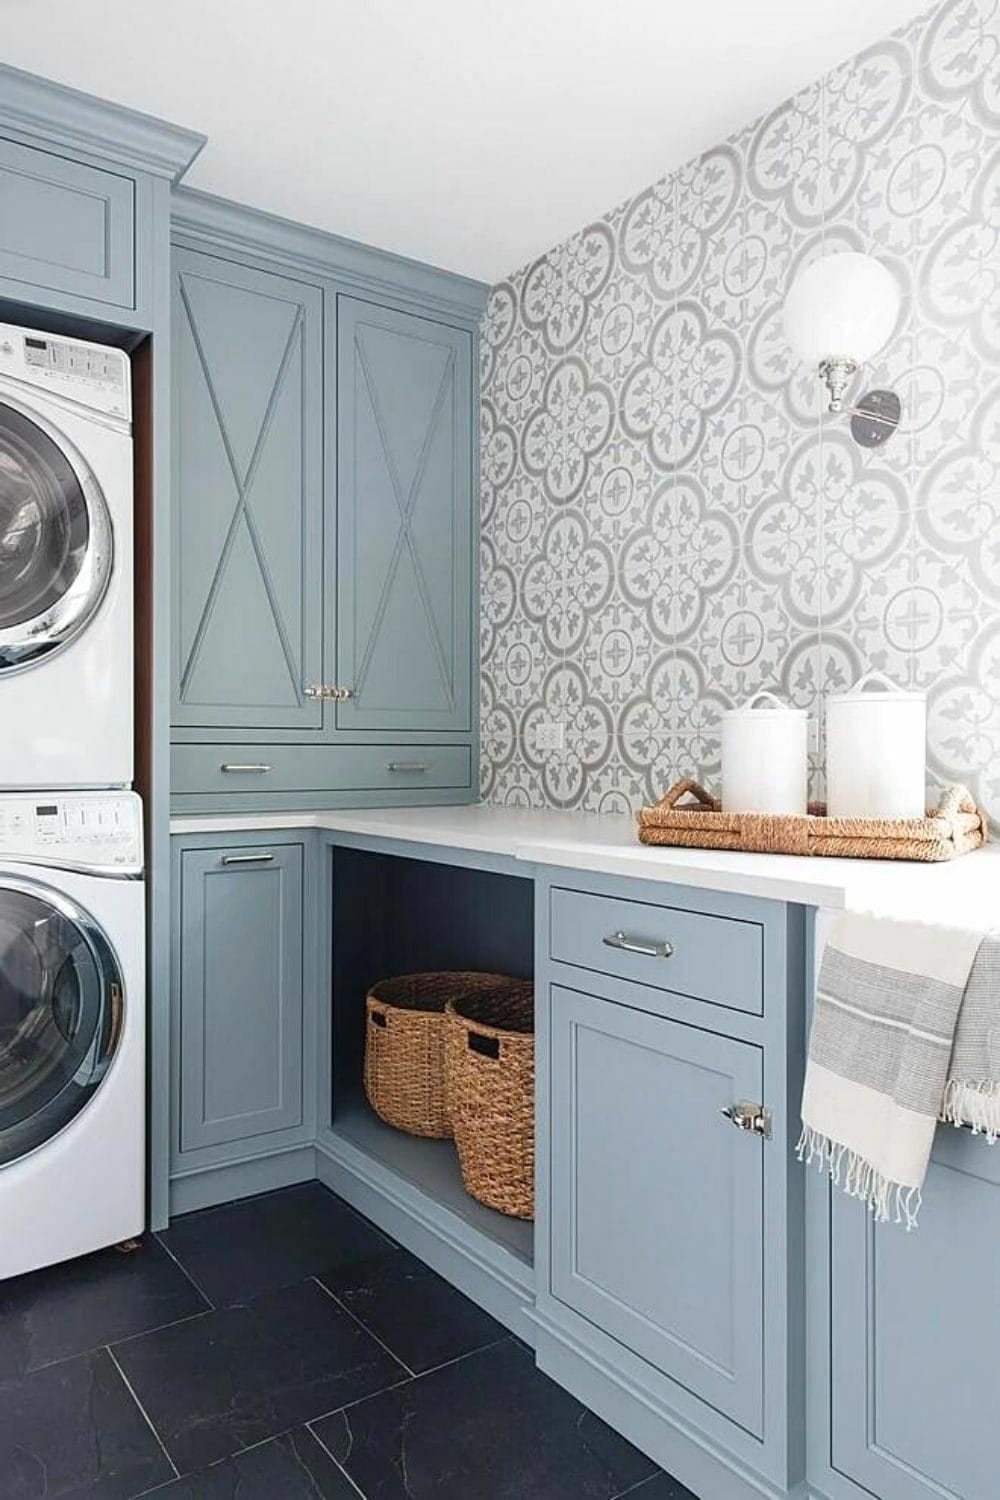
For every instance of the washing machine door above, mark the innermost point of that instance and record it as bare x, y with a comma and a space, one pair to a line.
55, 540
61, 1014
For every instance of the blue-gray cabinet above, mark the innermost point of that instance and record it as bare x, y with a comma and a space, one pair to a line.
324, 504
404, 521
238, 1055
914, 1325
656, 1201
66, 227
247, 498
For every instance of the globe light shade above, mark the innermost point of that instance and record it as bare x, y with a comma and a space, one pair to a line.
842, 307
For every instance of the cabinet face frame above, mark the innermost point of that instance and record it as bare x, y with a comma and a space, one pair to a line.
597, 1367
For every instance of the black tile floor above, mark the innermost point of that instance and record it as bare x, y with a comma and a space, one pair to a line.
281, 1348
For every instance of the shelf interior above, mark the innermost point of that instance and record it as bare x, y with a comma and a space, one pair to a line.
396, 916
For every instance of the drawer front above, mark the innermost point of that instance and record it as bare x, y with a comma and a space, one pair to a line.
716, 959
317, 768
66, 226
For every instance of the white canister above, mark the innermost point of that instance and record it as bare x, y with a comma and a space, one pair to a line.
876, 751
765, 757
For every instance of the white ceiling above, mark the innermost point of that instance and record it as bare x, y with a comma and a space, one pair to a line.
473, 134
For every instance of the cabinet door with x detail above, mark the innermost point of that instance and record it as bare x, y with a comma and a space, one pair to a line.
404, 522
247, 425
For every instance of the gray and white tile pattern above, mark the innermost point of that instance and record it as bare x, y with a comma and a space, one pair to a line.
670, 519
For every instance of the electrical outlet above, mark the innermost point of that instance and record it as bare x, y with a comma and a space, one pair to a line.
549, 735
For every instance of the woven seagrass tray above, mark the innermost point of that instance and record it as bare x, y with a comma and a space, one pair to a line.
956, 826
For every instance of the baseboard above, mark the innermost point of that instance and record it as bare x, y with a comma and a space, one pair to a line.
705, 1469
204, 1187
486, 1272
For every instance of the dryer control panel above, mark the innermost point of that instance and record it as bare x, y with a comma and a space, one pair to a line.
92, 831
94, 375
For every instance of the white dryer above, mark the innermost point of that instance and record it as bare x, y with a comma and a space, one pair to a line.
66, 539
72, 1026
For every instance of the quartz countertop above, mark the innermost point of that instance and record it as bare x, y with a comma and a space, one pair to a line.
965, 891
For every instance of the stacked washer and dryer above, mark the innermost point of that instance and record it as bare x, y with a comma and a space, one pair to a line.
72, 905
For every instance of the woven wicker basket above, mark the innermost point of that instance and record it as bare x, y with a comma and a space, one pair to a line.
404, 1047
490, 1074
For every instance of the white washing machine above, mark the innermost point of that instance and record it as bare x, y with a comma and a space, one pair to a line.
66, 543
72, 1026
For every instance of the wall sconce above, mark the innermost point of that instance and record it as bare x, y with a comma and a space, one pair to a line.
838, 313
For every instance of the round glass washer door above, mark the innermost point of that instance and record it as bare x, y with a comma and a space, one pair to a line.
61, 1014
55, 542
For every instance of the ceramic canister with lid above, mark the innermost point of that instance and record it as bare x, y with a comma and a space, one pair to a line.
876, 751
765, 757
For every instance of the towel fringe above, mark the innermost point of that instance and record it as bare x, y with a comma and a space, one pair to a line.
975, 1104
884, 1198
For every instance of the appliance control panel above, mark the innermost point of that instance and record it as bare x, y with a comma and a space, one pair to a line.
99, 831
94, 375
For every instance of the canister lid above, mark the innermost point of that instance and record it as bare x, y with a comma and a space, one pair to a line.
778, 710
888, 693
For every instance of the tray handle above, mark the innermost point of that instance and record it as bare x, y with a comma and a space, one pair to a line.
681, 788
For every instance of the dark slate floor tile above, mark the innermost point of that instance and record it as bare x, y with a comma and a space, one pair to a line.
72, 1432
489, 1426
660, 1487
232, 1378
291, 1467
258, 1244
424, 1320
98, 1299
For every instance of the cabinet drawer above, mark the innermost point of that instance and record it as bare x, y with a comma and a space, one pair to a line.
716, 959
318, 768
66, 226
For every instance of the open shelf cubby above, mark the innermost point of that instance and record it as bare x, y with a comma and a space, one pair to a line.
393, 915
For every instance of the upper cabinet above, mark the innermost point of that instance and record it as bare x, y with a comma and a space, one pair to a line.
66, 227
404, 521
248, 497
324, 520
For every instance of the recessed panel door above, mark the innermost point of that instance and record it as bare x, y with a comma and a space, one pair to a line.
404, 521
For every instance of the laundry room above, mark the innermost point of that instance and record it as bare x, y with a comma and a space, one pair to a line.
499, 750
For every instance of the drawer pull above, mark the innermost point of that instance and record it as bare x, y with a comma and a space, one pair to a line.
636, 945
413, 766
246, 859
749, 1117
243, 768
328, 690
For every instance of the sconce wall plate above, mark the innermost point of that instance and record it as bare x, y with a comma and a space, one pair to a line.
875, 418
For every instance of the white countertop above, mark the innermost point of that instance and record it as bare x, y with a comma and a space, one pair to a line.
965, 891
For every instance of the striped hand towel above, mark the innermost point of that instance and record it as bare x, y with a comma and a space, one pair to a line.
906, 1032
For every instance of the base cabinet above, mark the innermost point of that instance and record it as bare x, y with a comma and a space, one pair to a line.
657, 1208
915, 1325
239, 1001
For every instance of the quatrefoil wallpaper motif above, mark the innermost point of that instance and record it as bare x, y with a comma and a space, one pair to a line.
672, 521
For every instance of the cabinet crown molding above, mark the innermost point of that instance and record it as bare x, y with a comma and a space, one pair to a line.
203, 221
59, 117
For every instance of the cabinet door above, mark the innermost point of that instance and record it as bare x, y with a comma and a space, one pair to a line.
657, 1216
240, 993
404, 521
915, 1322
67, 227
248, 496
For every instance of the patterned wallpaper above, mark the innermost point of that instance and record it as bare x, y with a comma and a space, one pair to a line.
671, 520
